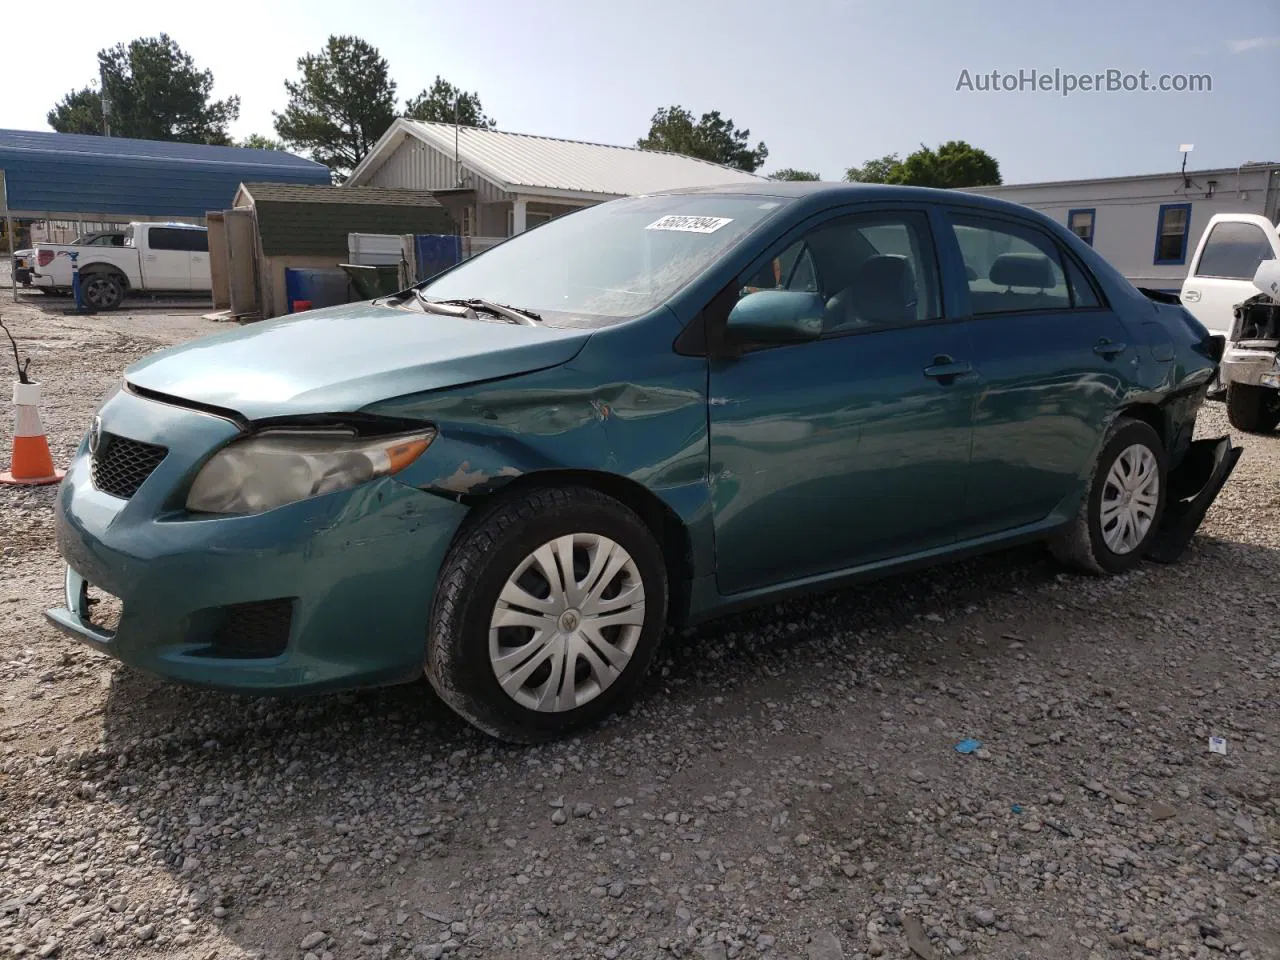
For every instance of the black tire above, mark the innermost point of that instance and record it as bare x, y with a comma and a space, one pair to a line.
473, 575
102, 289
1252, 409
1082, 544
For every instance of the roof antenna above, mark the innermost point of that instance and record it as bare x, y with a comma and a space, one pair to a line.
1186, 148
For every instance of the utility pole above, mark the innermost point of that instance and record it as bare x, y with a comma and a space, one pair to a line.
106, 101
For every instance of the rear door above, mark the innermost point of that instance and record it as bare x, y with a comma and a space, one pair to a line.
1053, 359
166, 259
198, 242
1222, 272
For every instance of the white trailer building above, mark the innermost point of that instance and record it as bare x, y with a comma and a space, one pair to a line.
1148, 226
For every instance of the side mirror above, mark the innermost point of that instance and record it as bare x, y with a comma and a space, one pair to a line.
776, 316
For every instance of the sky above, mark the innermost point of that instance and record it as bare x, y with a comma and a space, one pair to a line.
826, 84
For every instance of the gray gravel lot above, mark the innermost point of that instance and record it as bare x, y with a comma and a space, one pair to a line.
787, 786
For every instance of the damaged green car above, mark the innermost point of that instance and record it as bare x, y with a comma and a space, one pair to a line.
516, 475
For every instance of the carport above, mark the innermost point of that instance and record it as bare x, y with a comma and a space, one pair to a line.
63, 176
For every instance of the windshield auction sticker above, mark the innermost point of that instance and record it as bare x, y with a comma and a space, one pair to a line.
690, 224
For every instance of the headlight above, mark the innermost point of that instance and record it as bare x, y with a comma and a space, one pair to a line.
272, 469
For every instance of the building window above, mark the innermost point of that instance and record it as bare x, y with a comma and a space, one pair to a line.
1172, 226
1080, 222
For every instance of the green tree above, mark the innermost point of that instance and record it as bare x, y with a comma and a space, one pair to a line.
80, 111
341, 104
886, 169
713, 138
154, 92
437, 104
256, 141
954, 164
790, 173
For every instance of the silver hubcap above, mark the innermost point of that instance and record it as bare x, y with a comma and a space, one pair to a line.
567, 623
1129, 499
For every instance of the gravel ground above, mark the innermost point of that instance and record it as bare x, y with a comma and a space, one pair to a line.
787, 786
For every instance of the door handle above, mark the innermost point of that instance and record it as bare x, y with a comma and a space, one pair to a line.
1108, 348
944, 369
1190, 296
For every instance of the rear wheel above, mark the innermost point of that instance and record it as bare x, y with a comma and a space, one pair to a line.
1122, 509
102, 291
1252, 409
548, 613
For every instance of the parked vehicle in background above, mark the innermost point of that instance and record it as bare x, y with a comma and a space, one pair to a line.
517, 474
154, 257
1219, 280
23, 259
1251, 363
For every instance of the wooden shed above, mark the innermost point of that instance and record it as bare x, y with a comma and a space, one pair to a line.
272, 227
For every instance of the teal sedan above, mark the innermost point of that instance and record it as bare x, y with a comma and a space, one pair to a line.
516, 476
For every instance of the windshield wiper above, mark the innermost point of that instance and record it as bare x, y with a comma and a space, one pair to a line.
467, 308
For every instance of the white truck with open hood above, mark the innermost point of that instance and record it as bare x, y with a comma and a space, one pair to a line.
1233, 288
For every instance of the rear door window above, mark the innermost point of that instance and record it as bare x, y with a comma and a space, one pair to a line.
1010, 268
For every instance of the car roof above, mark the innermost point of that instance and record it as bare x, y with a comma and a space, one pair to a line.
823, 193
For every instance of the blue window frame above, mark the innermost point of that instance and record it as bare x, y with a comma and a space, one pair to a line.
1173, 226
1080, 222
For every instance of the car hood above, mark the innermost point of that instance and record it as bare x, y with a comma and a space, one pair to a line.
341, 359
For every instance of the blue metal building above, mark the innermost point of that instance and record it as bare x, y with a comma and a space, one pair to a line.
69, 176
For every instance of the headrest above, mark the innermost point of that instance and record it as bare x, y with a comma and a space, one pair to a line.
1022, 270
891, 270
884, 289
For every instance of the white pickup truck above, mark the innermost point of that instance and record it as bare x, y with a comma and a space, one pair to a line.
156, 257
1218, 283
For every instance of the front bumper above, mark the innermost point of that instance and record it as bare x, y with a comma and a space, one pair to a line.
1251, 367
355, 570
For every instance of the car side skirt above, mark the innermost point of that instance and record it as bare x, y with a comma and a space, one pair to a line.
707, 603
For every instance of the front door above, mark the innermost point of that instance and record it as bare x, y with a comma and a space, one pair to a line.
853, 448
1053, 359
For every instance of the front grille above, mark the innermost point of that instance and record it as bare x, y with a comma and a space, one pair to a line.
253, 630
120, 465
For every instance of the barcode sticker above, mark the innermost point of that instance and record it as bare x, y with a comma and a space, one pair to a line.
686, 224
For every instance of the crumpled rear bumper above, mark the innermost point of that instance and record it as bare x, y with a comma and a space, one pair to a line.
1193, 486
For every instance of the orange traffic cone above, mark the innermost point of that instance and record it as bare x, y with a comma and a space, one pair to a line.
32, 463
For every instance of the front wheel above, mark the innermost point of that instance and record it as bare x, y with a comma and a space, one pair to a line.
548, 612
1123, 506
1252, 409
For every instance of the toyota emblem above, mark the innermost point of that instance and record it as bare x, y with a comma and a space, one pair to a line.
95, 435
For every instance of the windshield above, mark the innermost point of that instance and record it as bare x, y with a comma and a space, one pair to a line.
613, 261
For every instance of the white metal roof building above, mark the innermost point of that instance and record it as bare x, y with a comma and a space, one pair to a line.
497, 184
